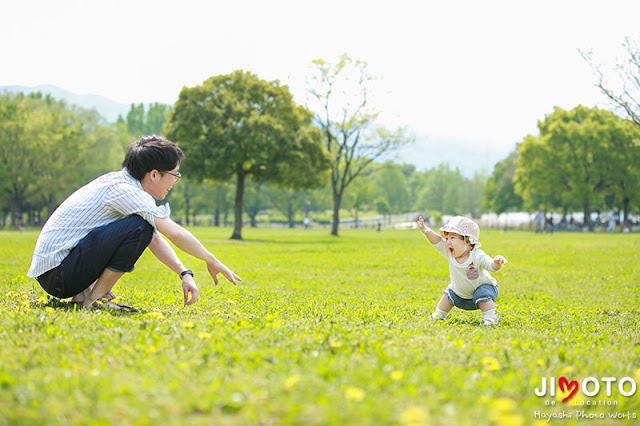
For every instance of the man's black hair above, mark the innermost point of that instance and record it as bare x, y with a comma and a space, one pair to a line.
149, 153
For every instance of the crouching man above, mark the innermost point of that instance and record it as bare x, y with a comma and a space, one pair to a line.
97, 234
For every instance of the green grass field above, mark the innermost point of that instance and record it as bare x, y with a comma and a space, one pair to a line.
327, 330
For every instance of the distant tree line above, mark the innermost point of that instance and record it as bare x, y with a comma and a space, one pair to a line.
584, 160
252, 151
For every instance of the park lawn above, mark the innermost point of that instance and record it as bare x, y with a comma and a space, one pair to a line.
326, 330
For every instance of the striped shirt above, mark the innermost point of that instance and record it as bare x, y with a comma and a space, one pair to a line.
106, 199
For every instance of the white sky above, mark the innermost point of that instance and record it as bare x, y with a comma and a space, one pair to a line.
471, 74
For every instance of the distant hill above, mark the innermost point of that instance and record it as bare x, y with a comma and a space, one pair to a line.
107, 108
427, 152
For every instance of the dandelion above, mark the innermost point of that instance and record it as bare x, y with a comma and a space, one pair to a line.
335, 344
502, 412
540, 362
397, 375
490, 364
204, 335
414, 416
566, 370
232, 302
188, 324
155, 315
354, 394
291, 382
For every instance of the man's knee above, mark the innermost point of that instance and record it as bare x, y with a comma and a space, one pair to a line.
142, 227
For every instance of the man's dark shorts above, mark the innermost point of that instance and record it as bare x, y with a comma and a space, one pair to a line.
483, 293
116, 246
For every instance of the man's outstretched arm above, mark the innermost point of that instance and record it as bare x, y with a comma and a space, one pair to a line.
186, 242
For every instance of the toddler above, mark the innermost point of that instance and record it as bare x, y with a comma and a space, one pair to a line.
472, 286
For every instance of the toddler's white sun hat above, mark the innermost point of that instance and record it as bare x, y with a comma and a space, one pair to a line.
463, 226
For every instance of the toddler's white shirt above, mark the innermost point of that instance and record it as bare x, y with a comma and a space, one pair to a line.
468, 276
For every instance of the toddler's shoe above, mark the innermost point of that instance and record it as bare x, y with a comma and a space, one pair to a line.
489, 321
434, 316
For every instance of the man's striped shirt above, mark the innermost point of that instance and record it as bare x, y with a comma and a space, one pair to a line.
108, 198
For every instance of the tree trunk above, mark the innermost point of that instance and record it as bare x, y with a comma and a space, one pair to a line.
587, 215
336, 214
217, 217
237, 228
356, 222
625, 213
187, 204
290, 215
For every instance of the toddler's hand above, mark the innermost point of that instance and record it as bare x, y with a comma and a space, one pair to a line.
422, 226
500, 260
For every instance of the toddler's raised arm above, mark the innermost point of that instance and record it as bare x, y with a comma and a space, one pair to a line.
431, 235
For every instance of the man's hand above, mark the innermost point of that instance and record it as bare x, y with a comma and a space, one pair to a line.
216, 267
189, 287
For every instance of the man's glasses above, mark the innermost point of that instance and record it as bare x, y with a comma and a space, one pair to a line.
176, 175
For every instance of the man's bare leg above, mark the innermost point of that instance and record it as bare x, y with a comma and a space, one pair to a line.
79, 298
102, 286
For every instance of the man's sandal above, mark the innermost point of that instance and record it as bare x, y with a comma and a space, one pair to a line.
108, 303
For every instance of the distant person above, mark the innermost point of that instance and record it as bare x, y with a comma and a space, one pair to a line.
612, 222
379, 219
19, 222
548, 224
97, 234
306, 222
539, 219
472, 287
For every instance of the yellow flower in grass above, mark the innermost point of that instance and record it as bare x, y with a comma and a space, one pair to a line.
502, 412
204, 335
397, 375
354, 394
188, 324
155, 315
490, 363
335, 344
291, 382
414, 416
566, 370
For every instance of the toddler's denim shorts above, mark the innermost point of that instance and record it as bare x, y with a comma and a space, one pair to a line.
483, 293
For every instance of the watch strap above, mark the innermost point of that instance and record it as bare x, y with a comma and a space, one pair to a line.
187, 272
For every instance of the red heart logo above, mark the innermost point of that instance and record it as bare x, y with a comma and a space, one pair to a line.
572, 386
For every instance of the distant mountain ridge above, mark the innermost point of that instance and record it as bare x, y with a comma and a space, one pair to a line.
107, 108
428, 151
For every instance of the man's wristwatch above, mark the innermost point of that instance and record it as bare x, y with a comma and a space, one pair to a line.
188, 271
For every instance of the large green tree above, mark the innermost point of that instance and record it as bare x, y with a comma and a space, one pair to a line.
48, 149
238, 125
625, 176
572, 160
341, 94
